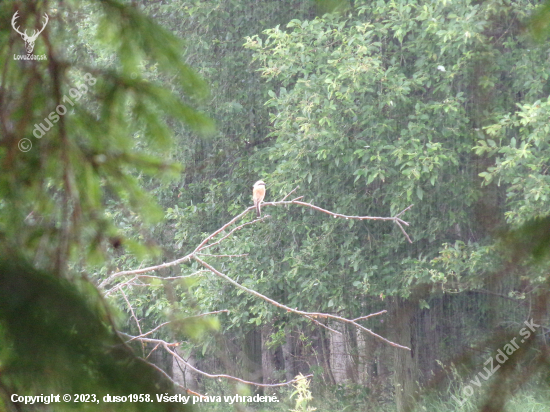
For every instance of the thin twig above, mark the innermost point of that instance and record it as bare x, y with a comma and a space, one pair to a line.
322, 325
289, 193
144, 285
134, 316
221, 229
182, 320
142, 335
370, 316
172, 380
223, 256
234, 230
403, 230
198, 272
403, 211
120, 285
150, 353
151, 269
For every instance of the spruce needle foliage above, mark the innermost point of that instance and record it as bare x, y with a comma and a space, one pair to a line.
69, 123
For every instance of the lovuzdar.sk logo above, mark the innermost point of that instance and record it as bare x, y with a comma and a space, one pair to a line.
29, 40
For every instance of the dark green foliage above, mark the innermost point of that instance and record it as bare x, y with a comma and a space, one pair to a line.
532, 239
57, 339
88, 157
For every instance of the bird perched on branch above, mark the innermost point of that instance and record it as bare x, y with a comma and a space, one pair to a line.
258, 194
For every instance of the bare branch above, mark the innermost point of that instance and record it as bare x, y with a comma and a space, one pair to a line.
134, 316
370, 316
144, 285
151, 269
171, 277
403, 211
128, 283
223, 256
221, 229
403, 230
328, 212
401, 221
170, 379
234, 230
311, 318
298, 312
167, 345
204, 244
395, 218
142, 335
188, 317
154, 349
209, 313
119, 286
296, 201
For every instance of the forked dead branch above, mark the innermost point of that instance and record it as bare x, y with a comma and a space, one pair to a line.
205, 243
224, 232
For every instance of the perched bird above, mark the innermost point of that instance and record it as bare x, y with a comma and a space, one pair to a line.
258, 194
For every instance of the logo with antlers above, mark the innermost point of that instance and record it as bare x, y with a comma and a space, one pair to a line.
29, 40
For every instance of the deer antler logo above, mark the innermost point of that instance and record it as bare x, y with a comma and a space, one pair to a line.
29, 40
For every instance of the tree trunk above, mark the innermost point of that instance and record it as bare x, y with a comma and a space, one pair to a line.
287, 355
405, 378
252, 356
339, 354
365, 358
181, 373
268, 357
325, 357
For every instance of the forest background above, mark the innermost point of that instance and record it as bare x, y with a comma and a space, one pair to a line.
364, 111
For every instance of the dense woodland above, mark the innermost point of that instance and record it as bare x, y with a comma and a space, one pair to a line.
405, 147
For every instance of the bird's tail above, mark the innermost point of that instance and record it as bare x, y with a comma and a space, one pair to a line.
258, 209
